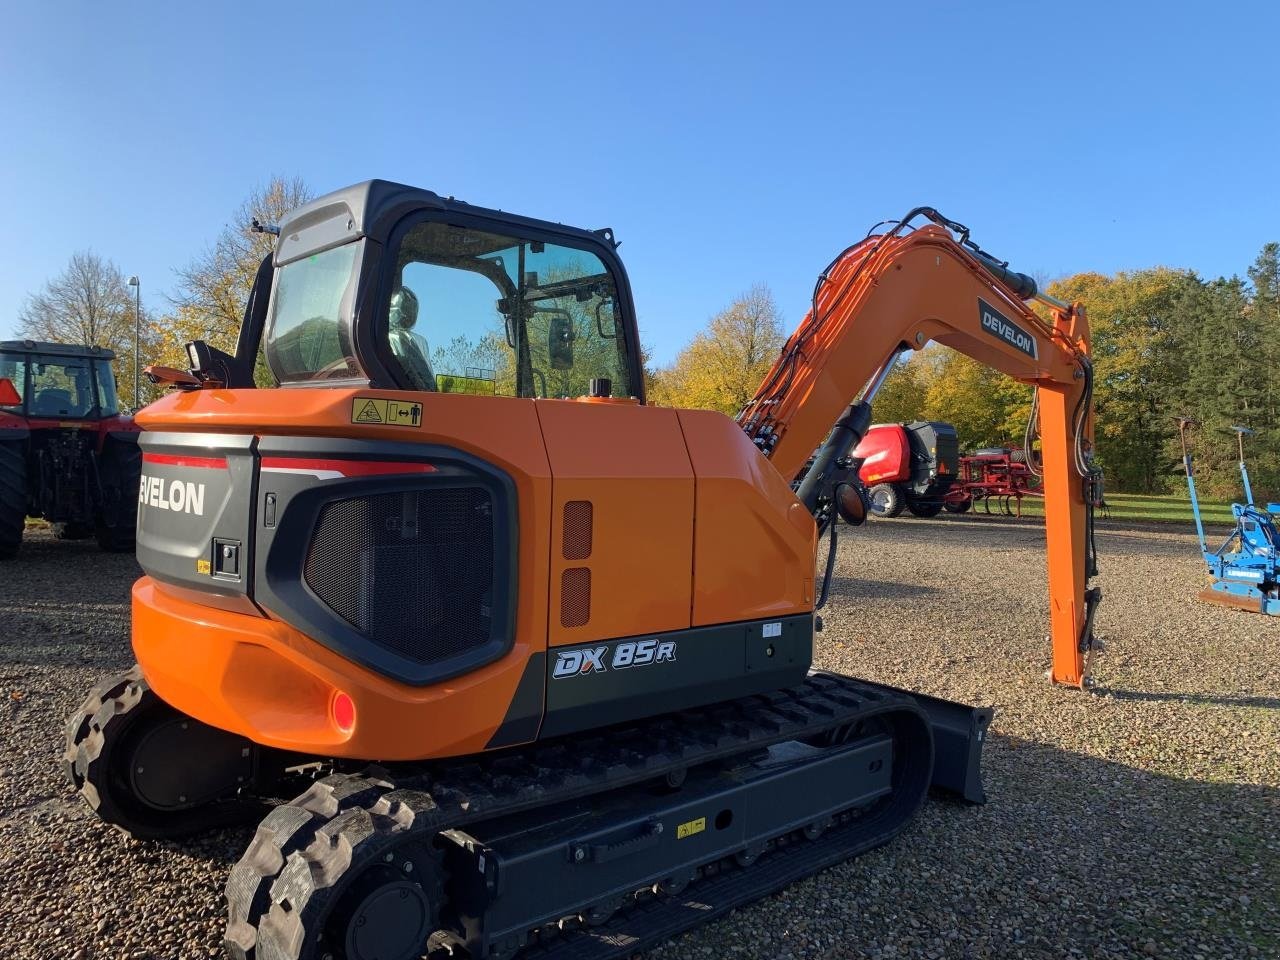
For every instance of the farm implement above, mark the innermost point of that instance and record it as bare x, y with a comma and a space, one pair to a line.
1244, 568
997, 476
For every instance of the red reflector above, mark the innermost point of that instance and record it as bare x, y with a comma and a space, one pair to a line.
343, 709
170, 460
329, 469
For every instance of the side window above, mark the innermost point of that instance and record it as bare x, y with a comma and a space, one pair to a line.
106, 388
480, 313
446, 331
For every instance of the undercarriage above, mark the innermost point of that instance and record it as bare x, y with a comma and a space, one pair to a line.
587, 847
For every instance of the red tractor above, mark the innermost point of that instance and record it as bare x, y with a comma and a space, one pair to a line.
66, 453
908, 466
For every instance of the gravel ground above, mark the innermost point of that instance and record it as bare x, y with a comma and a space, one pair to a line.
1142, 819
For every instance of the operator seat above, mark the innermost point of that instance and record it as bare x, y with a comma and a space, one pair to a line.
408, 346
52, 401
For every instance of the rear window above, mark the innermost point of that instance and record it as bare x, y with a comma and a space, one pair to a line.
308, 336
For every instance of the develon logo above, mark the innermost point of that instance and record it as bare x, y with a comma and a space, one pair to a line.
998, 325
181, 496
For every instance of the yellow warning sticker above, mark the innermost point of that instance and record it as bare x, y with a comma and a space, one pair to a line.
203, 567
690, 828
397, 413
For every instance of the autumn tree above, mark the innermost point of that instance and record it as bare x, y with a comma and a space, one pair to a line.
213, 288
89, 303
1140, 352
724, 364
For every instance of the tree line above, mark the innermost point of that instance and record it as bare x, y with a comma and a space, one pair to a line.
1166, 343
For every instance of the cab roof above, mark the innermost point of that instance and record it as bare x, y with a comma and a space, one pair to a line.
57, 349
372, 209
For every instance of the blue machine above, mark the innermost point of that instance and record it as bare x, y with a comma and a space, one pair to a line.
1244, 568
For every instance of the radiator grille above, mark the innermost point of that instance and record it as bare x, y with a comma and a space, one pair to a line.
575, 597
412, 572
577, 530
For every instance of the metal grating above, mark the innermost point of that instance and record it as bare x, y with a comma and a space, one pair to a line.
412, 572
575, 597
576, 539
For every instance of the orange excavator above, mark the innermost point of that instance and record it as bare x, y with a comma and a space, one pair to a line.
534, 655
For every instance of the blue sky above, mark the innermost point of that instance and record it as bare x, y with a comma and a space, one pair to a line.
727, 144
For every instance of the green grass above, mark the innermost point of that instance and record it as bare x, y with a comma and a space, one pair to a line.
1150, 508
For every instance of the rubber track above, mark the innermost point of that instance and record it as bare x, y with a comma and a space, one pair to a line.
13, 498
91, 733
281, 887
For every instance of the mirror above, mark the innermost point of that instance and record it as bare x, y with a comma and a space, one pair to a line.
851, 501
560, 343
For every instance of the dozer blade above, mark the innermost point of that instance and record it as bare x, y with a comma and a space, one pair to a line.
959, 731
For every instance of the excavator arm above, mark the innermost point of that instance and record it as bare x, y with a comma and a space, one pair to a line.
896, 291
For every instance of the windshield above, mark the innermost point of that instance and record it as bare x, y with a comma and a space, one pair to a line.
54, 386
307, 335
481, 313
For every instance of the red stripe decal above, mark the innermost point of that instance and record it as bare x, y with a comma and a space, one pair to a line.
171, 460
348, 468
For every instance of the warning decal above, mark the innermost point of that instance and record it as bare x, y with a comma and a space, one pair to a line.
690, 828
397, 413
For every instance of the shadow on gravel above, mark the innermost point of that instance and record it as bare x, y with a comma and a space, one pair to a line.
879, 589
1200, 699
1119, 859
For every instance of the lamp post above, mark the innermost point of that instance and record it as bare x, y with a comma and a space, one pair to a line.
137, 335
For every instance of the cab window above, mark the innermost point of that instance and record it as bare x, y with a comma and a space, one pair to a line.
484, 313
61, 387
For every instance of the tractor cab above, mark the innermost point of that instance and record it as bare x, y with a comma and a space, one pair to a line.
66, 453
57, 381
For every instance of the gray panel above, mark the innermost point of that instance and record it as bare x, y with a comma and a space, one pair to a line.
594, 684
195, 489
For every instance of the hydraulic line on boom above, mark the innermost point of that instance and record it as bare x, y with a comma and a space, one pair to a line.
895, 291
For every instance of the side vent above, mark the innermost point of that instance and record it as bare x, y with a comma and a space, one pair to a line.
577, 530
575, 597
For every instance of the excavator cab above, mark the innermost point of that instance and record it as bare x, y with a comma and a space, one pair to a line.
393, 287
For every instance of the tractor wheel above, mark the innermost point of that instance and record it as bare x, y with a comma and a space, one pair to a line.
121, 468
957, 506
887, 500
150, 770
115, 539
13, 498
924, 509
72, 531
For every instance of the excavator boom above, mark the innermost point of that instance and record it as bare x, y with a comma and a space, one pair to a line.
896, 292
